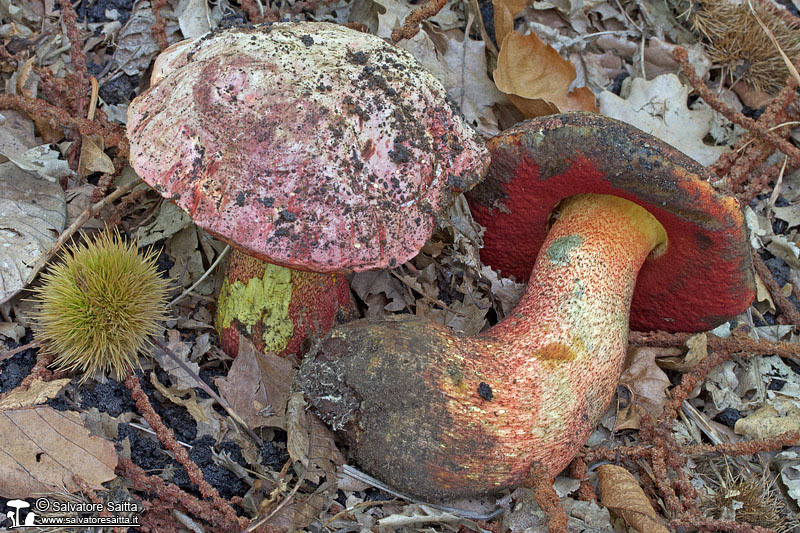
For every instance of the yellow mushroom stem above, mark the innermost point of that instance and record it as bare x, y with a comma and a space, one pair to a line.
439, 415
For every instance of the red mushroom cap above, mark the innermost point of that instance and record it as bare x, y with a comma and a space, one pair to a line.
308, 145
706, 274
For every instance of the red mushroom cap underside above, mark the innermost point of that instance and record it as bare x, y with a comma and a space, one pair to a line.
705, 276
308, 145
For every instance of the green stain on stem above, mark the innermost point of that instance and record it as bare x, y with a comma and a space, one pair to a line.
558, 252
265, 300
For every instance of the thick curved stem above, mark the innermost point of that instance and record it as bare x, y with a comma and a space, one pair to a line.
439, 415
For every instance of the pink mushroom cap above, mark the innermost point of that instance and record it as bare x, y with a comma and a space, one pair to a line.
308, 145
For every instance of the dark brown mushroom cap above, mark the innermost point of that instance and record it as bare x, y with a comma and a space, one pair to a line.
308, 145
705, 276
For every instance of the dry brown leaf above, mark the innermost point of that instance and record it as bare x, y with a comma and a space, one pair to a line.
764, 301
621, 493
180, 379
648, 385
257, 386
674, 359
43, 448
751, 97
698, 350
768, 422
135, 46
16, 133
504, 18
32, 215
659, 107
465, 76
201, 410
310, 442
513, 6
536, 78
381, 292
93, 158
39, 392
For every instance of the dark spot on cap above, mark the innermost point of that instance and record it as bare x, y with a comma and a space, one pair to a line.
307, 40
359, 58
400, 154
288, 216
240, 199
485, 391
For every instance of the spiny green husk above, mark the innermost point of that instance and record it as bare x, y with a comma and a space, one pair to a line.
98, 308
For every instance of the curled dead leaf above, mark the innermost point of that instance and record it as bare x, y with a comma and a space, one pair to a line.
537, 79
257, 386
621, 493
93, 157
673, 358
647, 384
310, 442
768, 421
39, 392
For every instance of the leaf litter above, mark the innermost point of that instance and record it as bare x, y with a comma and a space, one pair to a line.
500, 61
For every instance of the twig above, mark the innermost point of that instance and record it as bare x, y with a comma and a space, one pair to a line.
112, 134
709, 524
93, 98
736, 343
786, 307
216, 262
715, 103
88, 213
171, 493
541, 482
158, 29
225, 405
76, 50
167, 438
411, 24
39, 370
11, 353
358, 475
151, 432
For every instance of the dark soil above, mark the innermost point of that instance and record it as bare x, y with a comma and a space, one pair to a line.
177, 418
14, 370
221, 478
114, 398
111, 397
728, 417
120, 89
95, 10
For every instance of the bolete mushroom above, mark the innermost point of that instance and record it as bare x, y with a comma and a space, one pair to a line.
310, 146
439, 415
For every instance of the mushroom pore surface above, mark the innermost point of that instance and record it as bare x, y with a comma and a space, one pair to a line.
439, 415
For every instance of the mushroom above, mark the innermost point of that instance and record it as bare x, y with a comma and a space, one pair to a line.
310, 146
439, 415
